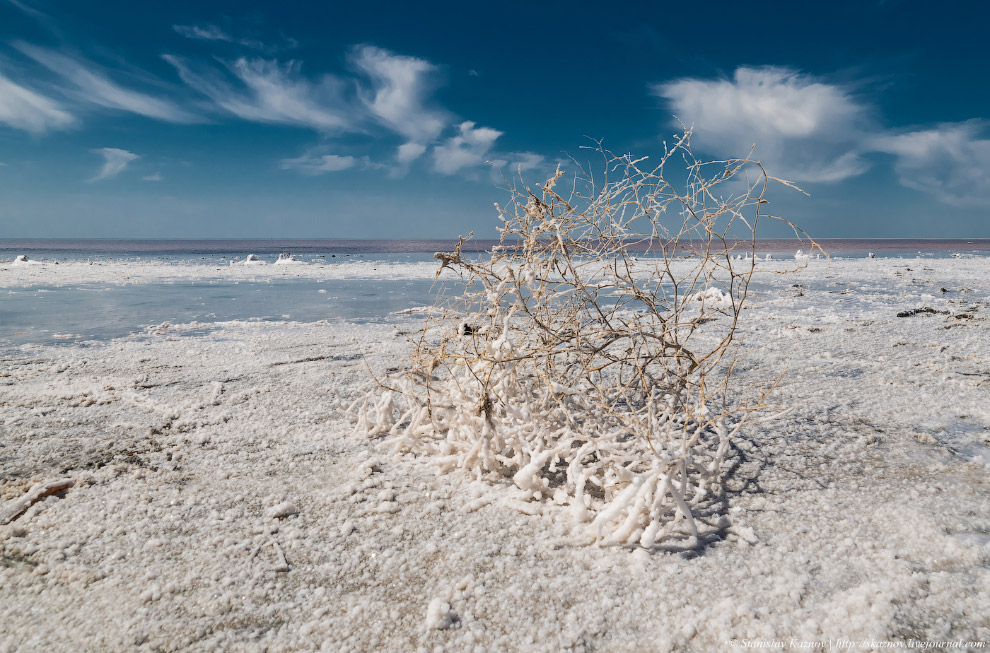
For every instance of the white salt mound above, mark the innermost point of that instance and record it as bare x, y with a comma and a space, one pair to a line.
439, 616
285, 258
22, 259
283, 510
252, 259
712, 297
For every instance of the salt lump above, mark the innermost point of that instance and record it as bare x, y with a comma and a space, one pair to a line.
283, 510
439, 616
285, 258
252, 259
22, 259
712, 297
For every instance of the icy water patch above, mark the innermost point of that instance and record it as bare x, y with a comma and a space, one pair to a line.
69, 315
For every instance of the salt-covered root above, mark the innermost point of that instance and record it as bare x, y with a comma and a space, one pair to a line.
529, 479
281, 564
18, 507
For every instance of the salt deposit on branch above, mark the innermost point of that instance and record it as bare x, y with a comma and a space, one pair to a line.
616, 408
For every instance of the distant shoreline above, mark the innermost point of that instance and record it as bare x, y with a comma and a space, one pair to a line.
55, 246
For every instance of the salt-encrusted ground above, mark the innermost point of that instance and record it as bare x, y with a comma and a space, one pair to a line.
221, 502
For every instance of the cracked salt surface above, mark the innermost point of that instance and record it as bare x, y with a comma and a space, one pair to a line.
220, 500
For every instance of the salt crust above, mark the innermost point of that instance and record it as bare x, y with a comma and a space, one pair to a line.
220, 502
77, 272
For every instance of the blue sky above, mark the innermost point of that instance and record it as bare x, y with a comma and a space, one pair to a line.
373, 119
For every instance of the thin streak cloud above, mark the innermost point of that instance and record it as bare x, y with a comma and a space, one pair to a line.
27, 110
318, 165
207, 33
266, 91
87, 83
114, 162
215, 33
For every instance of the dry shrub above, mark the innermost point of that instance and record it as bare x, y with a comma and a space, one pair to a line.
586, 357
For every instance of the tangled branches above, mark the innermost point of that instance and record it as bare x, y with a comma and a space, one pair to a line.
586, 357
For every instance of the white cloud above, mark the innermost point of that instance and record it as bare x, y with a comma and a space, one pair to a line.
114, 162
950, 161
312, 166
400, 88
803, 129
511, 164
519, 161
24, 109
207, 33
155, 177
90, 85
391, 90
273, 93
468, 149
214, 33
26, 8
409, 152
405, 155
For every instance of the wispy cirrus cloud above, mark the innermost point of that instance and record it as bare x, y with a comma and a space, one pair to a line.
204, 33
314, 165
212, 32
29, 10
514, 162
388, 90
27, 110
266, 91
383, 89
804, 128
88, 83
114, 162
398, 98
950, 161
